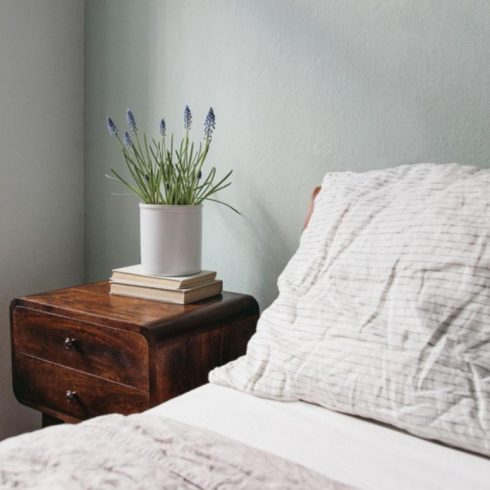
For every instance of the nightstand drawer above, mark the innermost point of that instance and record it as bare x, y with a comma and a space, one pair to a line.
119, 353
111, 354
57, 389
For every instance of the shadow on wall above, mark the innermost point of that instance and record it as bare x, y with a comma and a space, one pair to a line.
304, 87
119, 51
270, 248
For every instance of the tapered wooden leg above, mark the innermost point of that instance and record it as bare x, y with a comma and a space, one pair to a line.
48, 420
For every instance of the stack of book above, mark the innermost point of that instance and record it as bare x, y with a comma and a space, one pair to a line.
132, 281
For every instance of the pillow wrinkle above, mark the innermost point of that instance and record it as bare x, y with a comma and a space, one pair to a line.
384, 310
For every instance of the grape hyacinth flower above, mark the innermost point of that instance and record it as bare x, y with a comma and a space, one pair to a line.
111, 127
131, 120
209, 125
163, 173
187, 118
127, 139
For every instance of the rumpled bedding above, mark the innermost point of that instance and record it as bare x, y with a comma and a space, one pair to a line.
144, 452
384, 310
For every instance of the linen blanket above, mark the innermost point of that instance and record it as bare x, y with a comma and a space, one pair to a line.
144, 452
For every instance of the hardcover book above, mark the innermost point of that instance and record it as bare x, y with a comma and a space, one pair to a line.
179, 296
134, 275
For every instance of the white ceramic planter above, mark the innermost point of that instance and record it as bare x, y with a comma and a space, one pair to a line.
170, 238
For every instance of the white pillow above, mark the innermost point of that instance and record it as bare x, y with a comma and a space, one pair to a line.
384, 310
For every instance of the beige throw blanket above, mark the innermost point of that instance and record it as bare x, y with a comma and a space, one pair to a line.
144, 452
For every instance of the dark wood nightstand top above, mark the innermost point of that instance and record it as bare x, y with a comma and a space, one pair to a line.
80, 352
93, 303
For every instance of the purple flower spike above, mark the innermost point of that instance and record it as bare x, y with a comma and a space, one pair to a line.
187, 118
209, 124
131, 120
111, 127
163, 127
127, 139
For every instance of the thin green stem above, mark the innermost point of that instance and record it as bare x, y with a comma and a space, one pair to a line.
163, 173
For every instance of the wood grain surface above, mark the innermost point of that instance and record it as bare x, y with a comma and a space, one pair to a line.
119, 354
106, 352
44, 385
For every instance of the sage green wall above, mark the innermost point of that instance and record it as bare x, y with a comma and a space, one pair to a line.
299, 88
41, 165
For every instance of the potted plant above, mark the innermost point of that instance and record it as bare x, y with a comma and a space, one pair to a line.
170, 181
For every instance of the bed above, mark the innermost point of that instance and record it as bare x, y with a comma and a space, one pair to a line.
296, 412
348, 449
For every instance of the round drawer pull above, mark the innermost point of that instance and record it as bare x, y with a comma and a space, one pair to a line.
69, 343
71, 395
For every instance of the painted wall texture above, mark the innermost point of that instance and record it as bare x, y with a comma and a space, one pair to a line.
41, 165
299, 88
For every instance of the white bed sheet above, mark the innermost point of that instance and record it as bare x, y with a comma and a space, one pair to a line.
348, 449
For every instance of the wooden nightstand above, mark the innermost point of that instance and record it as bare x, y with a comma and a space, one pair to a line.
80, 352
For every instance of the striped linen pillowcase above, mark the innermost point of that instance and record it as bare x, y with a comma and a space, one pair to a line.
384, 310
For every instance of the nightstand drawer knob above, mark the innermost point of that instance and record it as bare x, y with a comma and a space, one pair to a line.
71, 395
69, 343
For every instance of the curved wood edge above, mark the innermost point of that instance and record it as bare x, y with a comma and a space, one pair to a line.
311, 207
